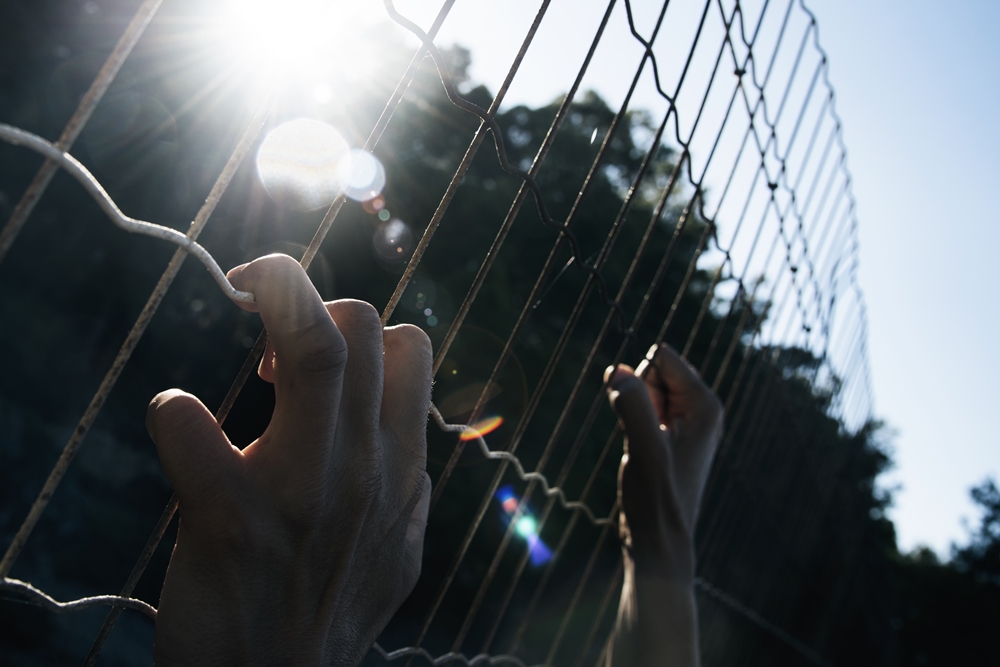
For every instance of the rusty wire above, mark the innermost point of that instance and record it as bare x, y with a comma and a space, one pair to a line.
138, 329
77, 121
53, 154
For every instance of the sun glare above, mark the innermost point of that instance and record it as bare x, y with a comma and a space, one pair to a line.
277, 35
364, 175
299, 164
305, 163
309, 39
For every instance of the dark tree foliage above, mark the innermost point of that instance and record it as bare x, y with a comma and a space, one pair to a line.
981, 557
948, 613
793, 521
944, 615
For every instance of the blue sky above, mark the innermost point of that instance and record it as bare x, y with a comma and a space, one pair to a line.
917, 90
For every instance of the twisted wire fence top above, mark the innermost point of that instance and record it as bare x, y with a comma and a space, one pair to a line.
735, 239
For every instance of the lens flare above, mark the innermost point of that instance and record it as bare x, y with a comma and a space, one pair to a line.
526, 526
540, 554
300, 164
375, 205
482, 427
393, 241
364, 175
505, 493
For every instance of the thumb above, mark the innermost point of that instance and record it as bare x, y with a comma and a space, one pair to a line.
196, 455
631, 402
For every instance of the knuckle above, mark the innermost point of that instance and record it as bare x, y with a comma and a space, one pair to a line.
367, 487
629, 386
170, 407
710, 412
271, 268
275, 262
354, 313
322, 349
408, 338
270, 273
712, 406
171, 400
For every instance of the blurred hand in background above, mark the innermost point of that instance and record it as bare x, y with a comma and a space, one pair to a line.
672, 423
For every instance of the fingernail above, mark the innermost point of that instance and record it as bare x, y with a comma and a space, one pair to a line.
233, 275
615, 375
652, 351
236, 270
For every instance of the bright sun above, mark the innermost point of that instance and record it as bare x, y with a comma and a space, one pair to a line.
298, 37
280, 32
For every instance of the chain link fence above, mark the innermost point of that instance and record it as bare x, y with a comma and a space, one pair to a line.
732, 235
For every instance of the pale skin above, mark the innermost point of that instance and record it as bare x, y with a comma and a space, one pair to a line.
298, 549
672, 424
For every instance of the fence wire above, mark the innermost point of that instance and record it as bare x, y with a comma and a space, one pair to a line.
778, 245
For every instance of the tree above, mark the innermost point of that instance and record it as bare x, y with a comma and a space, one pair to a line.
981, 557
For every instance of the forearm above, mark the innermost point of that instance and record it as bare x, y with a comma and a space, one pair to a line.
657, 619
672, 423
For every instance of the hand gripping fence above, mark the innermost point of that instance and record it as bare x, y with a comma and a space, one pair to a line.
814, 247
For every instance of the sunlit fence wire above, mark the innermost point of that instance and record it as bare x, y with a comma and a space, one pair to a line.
750, 241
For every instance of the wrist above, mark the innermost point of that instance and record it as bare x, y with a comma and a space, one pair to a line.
670, 561
657, 617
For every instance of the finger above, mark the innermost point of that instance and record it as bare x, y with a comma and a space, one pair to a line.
361, 327
415, 535
631, 402
310, 354
230, 275
407, 392
671, 370
266, 367
679, 388
691, 409
196, 455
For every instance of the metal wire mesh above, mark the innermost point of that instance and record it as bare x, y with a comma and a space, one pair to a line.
778, 245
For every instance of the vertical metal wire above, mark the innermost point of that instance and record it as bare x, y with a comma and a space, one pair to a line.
76, 123
138, 329
585, 368
458, 176
499, 365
